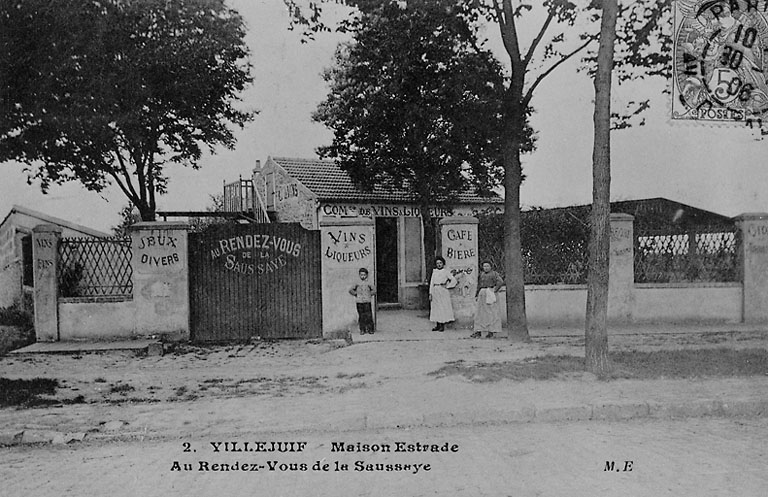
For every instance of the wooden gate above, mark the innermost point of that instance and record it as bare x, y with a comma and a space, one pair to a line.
248, 280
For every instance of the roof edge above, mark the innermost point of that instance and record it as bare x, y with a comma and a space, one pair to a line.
19, 209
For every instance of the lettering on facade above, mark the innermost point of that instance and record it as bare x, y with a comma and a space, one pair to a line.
459, 254
43, 264
255, 254
759, 231
490, 210
163, 240
378, 210
347, 245
44, 243
621, 251
459, 234
159, 250
346, 237
166, 260
618, 234
286, 191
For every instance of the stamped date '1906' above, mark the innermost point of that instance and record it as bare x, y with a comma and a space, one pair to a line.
720, 68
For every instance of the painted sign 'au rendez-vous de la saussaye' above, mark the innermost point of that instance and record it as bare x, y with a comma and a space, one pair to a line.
254, 254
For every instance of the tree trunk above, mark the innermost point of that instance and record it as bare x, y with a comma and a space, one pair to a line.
429, 239
596, 332
147, 213
517, 323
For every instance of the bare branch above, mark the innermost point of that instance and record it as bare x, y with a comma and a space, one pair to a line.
539, 36
529, 93
127, 188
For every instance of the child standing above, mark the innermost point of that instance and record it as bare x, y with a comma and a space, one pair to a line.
363, 292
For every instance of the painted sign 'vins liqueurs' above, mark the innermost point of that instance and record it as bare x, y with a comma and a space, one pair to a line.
255, 254
347, 246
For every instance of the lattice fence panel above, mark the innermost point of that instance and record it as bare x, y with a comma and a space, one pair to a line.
708, 254
95, 267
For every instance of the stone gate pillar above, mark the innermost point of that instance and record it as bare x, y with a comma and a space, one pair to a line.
621, 269
161, 279
458, 236
347, 244
45, 257
754, 258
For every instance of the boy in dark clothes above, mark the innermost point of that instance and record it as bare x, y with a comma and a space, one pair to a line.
363, 292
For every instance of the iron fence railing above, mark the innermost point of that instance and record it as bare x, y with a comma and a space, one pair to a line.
95, 267
706, 254
555, 250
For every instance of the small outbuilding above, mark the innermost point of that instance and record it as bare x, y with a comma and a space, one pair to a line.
16, 269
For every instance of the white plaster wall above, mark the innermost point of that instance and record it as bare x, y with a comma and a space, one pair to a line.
345, 249
97, 320
566, 304
161, 279
552, 303
673, 303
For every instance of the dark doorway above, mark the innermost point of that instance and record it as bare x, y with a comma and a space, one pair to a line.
386, 260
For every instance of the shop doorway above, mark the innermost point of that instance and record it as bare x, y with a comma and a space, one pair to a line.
386, 260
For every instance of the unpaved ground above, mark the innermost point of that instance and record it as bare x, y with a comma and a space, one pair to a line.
296, 368
296, 385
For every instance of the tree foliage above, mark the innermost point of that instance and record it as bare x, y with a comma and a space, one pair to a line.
415, 104
113, 90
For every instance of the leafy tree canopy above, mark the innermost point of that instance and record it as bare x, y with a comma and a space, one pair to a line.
414, 102
113, 90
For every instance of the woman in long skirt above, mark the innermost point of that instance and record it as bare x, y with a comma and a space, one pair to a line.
440, 309
487, 316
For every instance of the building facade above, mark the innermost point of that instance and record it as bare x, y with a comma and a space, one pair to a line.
317, 193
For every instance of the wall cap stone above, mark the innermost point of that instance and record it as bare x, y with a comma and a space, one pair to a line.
620, 216
458, 220
752, 216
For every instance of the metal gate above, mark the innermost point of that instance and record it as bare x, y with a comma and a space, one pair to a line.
248, 280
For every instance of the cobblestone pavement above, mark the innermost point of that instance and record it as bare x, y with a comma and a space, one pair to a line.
694, 457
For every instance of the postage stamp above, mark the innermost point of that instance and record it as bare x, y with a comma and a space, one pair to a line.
720, 61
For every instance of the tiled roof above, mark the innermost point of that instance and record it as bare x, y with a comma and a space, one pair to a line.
329, 182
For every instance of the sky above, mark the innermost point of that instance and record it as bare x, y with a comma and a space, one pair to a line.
722, 169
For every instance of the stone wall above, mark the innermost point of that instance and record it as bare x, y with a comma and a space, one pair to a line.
159, 305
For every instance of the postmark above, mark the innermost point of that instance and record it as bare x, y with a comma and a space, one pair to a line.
720, 61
